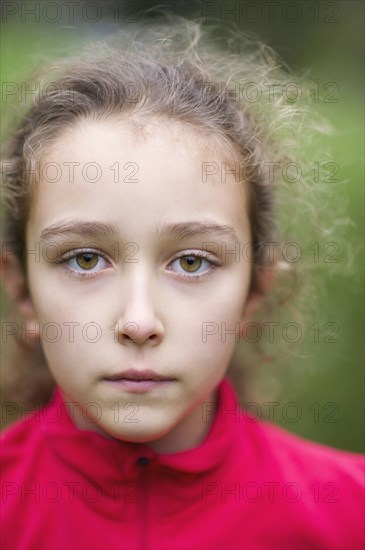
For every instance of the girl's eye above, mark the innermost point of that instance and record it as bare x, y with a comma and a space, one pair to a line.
87, 260
190, 265
84, 263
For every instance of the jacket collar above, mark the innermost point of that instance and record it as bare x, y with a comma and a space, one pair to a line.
112, 459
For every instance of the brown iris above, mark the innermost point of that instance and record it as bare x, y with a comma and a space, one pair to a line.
87, 260
189, 262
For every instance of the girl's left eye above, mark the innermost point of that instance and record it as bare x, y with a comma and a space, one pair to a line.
191, 264
85, 263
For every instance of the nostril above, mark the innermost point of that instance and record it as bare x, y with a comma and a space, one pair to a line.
123, 339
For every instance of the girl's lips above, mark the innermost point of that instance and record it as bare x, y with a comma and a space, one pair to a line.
139, 386
146, 375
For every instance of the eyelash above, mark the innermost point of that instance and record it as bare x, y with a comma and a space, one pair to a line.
73, 273
205, 256
195, 278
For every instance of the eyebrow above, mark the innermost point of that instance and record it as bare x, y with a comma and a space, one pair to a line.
184, 230
83, 229
177, 231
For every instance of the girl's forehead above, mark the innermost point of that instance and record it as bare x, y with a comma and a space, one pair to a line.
86, 135
106, 169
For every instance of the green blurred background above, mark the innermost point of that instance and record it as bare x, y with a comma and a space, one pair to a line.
327, 384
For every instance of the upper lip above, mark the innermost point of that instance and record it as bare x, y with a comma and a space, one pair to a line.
133, 374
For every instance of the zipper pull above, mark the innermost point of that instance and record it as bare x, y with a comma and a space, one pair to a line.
143, 460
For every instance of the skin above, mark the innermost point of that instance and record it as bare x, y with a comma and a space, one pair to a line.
152, 294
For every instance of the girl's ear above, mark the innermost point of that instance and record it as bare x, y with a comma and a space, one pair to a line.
13, 279
254, 299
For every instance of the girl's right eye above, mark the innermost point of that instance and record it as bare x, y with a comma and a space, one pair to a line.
84, 263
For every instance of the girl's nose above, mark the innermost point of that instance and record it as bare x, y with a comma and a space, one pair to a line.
139, 322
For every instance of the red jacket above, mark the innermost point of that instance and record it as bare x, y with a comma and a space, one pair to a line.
249, 485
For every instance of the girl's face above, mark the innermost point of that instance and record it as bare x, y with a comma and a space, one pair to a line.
143, 296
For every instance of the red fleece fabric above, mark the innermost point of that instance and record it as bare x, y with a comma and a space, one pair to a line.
249, 485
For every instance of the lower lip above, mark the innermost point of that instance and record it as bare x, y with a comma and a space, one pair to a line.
140, 386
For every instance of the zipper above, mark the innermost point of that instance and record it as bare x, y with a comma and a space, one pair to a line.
143, 463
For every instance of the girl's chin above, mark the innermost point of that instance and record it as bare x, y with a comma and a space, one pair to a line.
133, 435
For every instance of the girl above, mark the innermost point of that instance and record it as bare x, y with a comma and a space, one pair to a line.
140, 207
